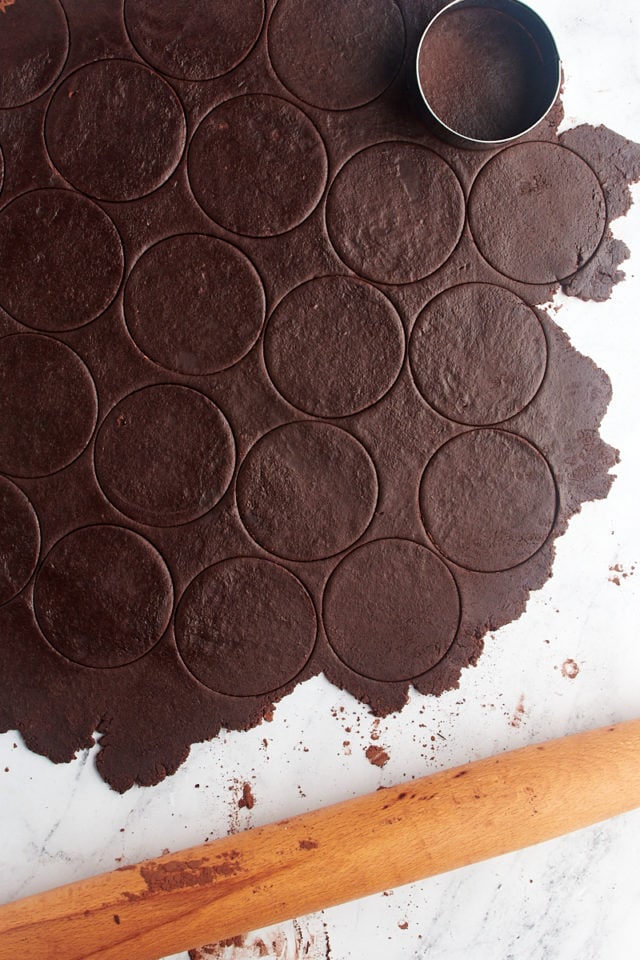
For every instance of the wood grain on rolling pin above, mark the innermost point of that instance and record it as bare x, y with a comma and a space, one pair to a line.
385, 839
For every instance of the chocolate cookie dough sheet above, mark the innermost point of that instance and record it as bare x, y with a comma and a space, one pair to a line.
281, 404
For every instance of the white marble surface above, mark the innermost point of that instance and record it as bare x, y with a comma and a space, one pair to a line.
576, 897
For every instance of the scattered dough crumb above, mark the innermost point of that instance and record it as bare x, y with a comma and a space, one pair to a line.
376, 755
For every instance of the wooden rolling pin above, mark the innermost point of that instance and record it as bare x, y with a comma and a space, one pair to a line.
385, 839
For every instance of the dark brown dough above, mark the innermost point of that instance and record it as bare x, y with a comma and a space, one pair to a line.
266, 409
561, 212
29, 65
616, 162
336, 55
62, 260
488, 500
478, 354
245, 610
395, 212
19, 540
257, 165
334, 346
195, 41
211, 283
391, 610
115, 130
307, 491
48, 405
103, 596
165, 455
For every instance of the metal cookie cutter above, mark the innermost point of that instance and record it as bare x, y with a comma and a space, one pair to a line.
488, 72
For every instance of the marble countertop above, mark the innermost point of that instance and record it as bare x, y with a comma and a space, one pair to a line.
570, 663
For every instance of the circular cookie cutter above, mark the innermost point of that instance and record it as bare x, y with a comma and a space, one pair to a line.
488, 72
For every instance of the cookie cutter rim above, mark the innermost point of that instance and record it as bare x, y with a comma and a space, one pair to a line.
542, 35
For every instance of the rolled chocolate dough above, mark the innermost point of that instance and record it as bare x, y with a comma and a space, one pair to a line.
276, 396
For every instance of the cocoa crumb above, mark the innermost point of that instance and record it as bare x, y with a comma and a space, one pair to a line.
212, 950
376, 755
570, 669
518, 713
247, 799
182, 874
